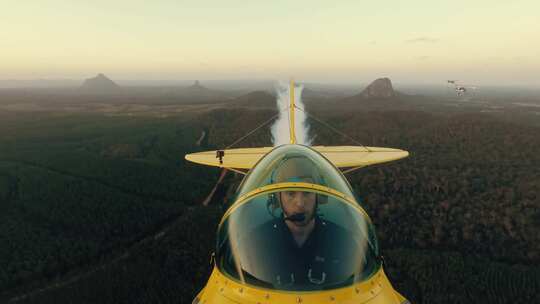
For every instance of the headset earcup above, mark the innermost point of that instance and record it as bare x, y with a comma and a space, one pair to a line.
273, 200
272, 204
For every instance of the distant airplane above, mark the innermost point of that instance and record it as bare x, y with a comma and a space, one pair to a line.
461, 89
296, 232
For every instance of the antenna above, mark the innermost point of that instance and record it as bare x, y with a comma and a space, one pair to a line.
291, 113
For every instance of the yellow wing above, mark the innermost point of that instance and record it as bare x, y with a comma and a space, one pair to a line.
340, 156
243, 158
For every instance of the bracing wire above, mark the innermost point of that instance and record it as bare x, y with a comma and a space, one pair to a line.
254, 130
332, 128
310, 116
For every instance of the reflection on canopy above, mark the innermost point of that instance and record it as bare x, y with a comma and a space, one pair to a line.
295, 163
330, 247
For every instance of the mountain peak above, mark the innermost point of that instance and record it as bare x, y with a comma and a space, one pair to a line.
197, 85
100, 84
379, 88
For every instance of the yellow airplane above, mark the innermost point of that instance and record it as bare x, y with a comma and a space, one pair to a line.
296, 232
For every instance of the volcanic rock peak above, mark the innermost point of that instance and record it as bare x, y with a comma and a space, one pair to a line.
99, 83
380, 88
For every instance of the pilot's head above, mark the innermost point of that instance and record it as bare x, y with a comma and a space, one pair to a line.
298, 206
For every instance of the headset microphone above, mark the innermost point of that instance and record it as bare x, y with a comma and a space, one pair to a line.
297, 217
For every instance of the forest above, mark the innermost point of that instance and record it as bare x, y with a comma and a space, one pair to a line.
104, 209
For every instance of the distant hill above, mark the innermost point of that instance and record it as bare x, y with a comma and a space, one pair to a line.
379, 93
266, 99
197, 88
255, 99
100, 84
198, 93
379, 88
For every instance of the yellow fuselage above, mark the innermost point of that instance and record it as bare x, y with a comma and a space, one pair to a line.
222, 290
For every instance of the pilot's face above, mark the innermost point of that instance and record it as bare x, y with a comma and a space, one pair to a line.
295, 202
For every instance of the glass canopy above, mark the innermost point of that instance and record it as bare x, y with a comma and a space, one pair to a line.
298, 240
295, 163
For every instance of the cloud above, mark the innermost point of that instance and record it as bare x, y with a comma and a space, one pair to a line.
422, 40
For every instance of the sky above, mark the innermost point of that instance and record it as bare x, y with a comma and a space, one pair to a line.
414, 41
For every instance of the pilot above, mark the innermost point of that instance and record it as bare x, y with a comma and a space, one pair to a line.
304, 248
298, 207
299, 213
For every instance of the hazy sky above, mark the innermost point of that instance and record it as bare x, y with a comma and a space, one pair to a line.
410, 41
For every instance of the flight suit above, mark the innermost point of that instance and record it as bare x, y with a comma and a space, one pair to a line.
323, 261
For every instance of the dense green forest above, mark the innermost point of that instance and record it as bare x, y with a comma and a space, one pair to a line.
104, 209
77, 188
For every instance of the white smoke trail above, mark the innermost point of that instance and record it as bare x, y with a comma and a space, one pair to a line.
280, 129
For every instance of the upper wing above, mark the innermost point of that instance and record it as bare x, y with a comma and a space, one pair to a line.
359, 156
340, 156
243, 158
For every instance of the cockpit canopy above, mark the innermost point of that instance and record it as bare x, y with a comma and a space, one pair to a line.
297, 239
296, 226
291, 164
